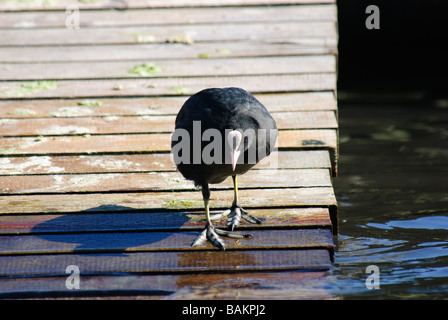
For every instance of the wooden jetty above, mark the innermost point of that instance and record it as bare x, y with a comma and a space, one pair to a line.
86, 179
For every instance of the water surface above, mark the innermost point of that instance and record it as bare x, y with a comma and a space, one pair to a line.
392, 191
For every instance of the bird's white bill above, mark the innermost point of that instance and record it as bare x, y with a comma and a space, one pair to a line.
234, 138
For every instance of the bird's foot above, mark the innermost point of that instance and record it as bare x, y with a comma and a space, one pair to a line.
235, 213
212, 234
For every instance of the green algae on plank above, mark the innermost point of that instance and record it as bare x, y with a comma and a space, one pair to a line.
180, 90
179, 204
145, 69
24, 112
31, 87
90, 103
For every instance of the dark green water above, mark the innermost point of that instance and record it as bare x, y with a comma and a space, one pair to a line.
392, 191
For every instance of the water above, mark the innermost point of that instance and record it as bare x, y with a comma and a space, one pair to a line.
392, 191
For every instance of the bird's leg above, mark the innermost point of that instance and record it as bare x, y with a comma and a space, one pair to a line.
210, 233
236, 212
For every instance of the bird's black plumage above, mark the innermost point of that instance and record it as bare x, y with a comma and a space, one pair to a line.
222, 110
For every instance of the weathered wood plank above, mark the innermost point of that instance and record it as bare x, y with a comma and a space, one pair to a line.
182, 200
145, 124
144, 163
158, 220
172, 68
273, 32
248, 293
94, 144
165, 86
54, 19
145, 285
167, 262
302, 101
156, 181
155, 51
14, 5
119, 242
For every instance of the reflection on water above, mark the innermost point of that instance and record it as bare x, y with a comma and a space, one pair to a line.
393, 201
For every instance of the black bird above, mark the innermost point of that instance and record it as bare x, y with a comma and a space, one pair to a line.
221, 133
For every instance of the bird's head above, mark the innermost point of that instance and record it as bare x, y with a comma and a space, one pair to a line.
238, 142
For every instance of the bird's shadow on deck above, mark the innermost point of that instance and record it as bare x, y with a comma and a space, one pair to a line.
113, 230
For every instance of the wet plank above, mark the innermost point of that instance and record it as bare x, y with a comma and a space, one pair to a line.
167, 262
147, 286
109, 221
119, 163
98, 18
172, 68
182, 200
145, 124
67, 108
118, 242
165, 86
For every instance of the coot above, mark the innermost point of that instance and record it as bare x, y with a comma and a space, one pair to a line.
221, 133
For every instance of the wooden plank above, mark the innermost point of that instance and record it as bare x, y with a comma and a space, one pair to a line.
144, 163
149, 285
278, 102
52, 19
273, 32
247, 293
94, 144
160, 181
155, 51
171, 68
167, 262
158, 220
14, 5
182, 200
165, 86
119, 242
144, 124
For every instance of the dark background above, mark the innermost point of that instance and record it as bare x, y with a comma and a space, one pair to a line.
393, 149
409, 52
